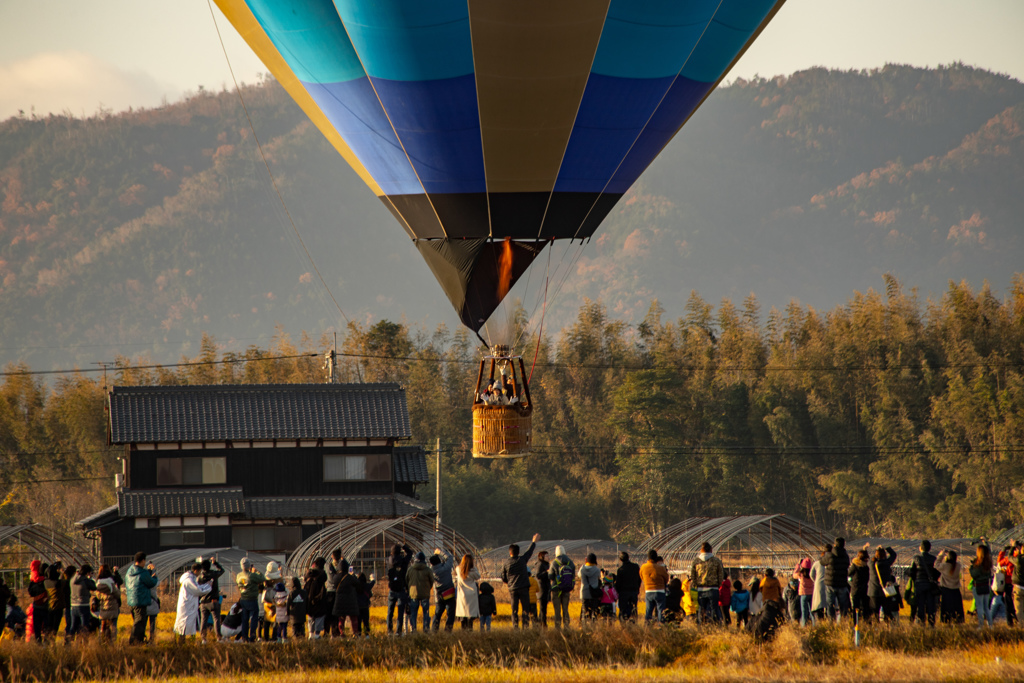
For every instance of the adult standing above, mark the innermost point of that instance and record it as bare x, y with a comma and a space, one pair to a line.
64, 588
209, 604
590, 587
706, 575
108, 602
82, 587
186, 622
805, 590
654, 576
627, 585
952, 610
346, 599
467, 606
515, 574
398, 589
334, 574
544, 584
563, 578
879, 578
249, 582
138, 580
922, 570
316, 598
1017, 578
819, 598
837, 587
441, 565
981, 575
420, 581
860, 572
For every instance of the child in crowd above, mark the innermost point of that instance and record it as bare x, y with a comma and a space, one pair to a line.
231, 626
534, 592
280, 612
609, 597
488, 605
740, 604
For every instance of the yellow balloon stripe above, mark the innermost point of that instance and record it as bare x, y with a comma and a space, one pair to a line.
241, 17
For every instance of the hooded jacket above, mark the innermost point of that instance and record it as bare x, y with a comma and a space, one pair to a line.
836, 564
420, 580
707, 571
562, 562
81, 590
859, 576
513, 572
186, 622
590, 582
138, 581
802, 573
771, 589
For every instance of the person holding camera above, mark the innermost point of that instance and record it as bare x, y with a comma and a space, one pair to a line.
139, 580
186, 622
209, 604
924, 574
249, 582
1017, 578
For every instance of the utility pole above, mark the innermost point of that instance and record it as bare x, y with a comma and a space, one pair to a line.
437, 520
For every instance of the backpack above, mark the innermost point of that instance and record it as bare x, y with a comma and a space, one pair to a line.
565, 578
1000, 582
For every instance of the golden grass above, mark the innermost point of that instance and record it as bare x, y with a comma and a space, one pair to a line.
602, 653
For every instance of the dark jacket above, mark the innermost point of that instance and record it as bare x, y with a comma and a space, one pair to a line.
346, 600
982, 579
81, 590
543, 580
836, 564
420, 580
514, 571
859, 577
334, 574
443, 575
1018, 571
398, 566
298, 605
488, 605
883, 567
211, 575
627, 579
923, 570
316, 594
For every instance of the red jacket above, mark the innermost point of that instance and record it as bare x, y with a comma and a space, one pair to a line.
725, 594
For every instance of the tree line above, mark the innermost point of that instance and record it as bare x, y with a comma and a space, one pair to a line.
886, 416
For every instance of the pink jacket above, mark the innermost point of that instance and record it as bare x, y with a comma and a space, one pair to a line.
806, 583
609, 595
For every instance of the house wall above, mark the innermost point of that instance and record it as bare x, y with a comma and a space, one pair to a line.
269, 471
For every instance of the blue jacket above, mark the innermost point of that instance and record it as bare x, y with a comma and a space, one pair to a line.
137, 583
740, 601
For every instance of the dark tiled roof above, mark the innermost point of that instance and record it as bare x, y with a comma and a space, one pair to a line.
98, 519
411, 465
223, 501
258, 411
295, 507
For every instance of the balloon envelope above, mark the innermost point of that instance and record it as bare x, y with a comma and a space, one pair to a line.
490, 128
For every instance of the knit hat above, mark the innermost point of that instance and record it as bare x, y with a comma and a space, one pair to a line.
279, 587
246, 564
420, 557
273, 570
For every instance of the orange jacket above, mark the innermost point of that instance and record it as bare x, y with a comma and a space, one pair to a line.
654, 576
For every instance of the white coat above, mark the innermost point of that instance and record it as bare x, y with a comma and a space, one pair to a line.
818, 577
467, 603
187, 621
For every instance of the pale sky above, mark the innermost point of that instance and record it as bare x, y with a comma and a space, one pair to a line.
77, 55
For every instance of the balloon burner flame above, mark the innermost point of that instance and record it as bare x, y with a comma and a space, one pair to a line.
505, 269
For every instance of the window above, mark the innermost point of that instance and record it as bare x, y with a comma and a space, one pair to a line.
266, 537
357, 467
188, 537
191, 471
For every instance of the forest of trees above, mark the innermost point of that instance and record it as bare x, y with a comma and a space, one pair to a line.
886, 416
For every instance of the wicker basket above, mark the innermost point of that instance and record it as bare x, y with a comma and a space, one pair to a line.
501, 432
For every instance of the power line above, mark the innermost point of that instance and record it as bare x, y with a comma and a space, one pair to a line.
52, 481
20, 373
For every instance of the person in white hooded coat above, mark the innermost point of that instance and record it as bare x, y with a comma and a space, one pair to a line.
187, 621
818, 597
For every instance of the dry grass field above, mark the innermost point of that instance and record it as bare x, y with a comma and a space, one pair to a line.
593, 654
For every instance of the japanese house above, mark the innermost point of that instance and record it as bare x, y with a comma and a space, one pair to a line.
258, 467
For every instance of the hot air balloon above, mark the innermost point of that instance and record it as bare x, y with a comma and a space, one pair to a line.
491, 128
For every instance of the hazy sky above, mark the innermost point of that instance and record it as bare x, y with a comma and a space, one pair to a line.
80, 54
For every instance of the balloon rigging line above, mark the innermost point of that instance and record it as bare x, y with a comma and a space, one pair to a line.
651, 117
263, 156
540, 329
544, 292
78, 371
